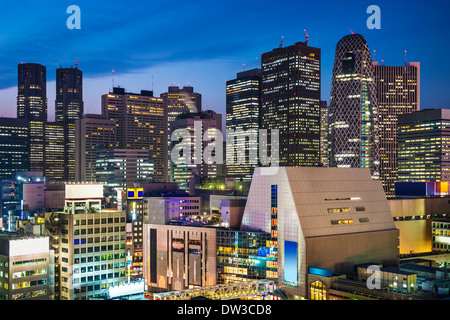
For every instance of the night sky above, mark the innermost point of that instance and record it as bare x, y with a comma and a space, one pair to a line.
205, 43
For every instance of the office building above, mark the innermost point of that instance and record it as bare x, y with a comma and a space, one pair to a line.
324, 132
192, 161
181, 100
32, 92
424, 146
55, 151
69, 94
398, 92
93, 132
25, 263
354, 136
243, 98
68, 109
320, 217
32, 106
179, 257
140, 124
14, 148
123, 167
290, 93
92, 244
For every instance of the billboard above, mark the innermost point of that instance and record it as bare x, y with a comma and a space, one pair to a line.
290, 262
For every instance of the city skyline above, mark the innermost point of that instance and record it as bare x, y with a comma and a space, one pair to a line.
206, 57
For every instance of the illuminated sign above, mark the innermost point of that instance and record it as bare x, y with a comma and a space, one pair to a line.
290, 262
135, 193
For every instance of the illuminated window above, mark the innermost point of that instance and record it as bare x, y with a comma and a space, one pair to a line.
318, 291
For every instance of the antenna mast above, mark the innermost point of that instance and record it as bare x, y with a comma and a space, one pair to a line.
281, 42
306, 36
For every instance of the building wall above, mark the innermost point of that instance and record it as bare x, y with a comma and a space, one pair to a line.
340, 253
176, 258
92, 253
25, 268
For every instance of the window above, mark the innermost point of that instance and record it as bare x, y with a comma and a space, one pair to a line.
347, 221
338, 210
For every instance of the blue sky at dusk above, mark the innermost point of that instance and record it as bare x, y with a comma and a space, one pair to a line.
205, 43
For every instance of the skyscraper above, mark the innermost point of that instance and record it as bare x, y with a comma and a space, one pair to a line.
181, 100
14, 149
194, 163
424, 146
290, 102
32, 92
68, 108
69, 94
140, 124
324, 130
398, 92
243, 96
353, 107
32, 106
55, 151
93, 132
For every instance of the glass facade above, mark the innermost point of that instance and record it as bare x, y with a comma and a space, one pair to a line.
243, 97
243, 255
290, 102
424, 146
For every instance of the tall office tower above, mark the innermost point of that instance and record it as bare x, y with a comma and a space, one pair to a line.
141, 124
25, 264
243, 96
324, 130
181, 100
354, 136
32, 106
398, 92
55, 151
193, 162
14, 148
68, 108
92, 244
424, 146
32, 92
123, 167
290, 94
93, 132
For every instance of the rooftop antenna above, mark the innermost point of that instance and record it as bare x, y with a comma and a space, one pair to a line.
281, 42
243, 67
405, 57
306, 36
76, 63
256, 62
374, 53
152, 83
113, 78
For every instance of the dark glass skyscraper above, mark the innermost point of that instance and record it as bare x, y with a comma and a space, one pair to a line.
32, 92
290, 102
354, 114
424, 146
243, 96
32, 106
14, 149
69, 94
